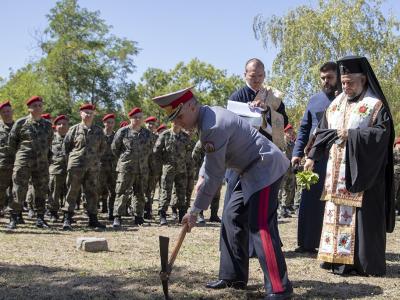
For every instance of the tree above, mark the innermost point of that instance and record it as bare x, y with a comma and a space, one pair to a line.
213, 86
305, 37
81, 56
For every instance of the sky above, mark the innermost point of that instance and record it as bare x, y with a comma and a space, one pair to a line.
218, 32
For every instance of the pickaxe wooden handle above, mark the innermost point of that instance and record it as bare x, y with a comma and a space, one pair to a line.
178, 245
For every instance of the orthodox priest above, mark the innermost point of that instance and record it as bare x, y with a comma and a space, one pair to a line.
357, 131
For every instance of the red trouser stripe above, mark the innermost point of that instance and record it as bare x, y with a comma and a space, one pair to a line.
267, 245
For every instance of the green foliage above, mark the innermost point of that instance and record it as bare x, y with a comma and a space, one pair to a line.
306, 37
212, 86
83, 58
82, 62
305, 179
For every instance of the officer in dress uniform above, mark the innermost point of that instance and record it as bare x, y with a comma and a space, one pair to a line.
256, 167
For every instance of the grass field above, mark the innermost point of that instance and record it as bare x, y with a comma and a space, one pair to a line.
44, 264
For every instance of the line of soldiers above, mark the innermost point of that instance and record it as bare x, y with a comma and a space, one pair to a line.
41, 160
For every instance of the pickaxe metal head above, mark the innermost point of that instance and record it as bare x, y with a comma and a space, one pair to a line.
164, 274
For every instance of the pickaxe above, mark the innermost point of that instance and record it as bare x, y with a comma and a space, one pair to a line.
166, 265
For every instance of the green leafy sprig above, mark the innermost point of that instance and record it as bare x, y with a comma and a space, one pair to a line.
305, 179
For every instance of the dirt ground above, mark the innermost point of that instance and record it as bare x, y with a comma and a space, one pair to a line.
45, 264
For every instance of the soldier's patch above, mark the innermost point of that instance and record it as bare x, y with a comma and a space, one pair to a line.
209, 147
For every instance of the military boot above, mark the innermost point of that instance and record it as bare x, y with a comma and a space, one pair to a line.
20, 219
111, 214
174, 214
31, 213
94, 222
200, 219
182, 213
67, 221
147, 209
117, 222
13, 222
139, 220
40, 222
163, 218
214, 217
104, 208
53, 217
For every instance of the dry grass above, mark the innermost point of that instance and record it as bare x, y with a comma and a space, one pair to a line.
44, 264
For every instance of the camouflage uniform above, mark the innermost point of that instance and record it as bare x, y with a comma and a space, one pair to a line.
170, 149
288, 185
198, 154
30, 140
396, 164
190, 173
58, 174
6, 165
132, 149
154, 175
108, 176
83, 148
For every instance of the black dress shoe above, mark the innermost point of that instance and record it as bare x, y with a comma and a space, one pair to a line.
223, 284
287, 294
326, 265
301, 249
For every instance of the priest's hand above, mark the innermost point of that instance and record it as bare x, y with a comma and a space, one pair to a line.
258, 103
309, 165
295, 160
189, 219
343, 134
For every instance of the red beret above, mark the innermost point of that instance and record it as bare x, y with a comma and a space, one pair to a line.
108, 116
87, 106
33, 99
59, 118
5, 104
46, 116
123, 124
161, 127
288, 126
150, 119
134, 111
396, 141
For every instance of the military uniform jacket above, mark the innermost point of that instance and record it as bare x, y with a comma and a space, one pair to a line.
132, 149
171, 149
58, 161
155, 166
108, 160
30, 140
396, 162
6, 156
84, 146
231, 142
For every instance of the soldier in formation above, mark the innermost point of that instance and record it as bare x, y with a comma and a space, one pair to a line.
132, 146
83, 146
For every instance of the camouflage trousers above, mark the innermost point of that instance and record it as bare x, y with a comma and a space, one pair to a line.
130, 186
170, 179
57, 191
39, 179
107, 179
154, 177
287, 190
188, 194
5, 186
87, 178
